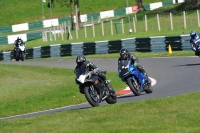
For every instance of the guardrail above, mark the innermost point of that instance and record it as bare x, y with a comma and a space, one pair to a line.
150, 44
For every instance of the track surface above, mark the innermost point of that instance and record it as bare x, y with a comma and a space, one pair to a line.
174, 76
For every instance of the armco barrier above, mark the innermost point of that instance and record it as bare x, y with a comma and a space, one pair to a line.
150, 44
10, 39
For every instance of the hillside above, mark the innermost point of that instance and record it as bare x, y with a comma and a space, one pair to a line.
16, 12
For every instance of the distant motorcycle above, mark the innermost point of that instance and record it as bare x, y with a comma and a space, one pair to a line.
87, 80
20, 51
133, 78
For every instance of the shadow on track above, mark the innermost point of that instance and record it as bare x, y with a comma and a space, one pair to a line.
188, 65
128, 95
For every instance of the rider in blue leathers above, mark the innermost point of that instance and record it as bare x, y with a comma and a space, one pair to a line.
195, 42
125, 55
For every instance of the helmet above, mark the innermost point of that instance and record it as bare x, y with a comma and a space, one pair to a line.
80, 59
193, 34
123, 53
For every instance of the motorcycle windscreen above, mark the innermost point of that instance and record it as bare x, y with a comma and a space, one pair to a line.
21, 44
124, 68
82, 70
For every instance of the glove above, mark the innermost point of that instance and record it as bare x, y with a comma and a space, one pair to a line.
95, 71
135, 64
89, 74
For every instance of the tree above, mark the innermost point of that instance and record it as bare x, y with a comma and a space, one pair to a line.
68, 4
50, 3
140, 5
193, 2
78, 20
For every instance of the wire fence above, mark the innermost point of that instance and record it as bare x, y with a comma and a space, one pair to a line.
123, 25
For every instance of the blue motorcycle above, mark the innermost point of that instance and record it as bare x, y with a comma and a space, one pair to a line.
135, 79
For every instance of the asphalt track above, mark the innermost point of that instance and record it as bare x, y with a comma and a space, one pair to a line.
174, 76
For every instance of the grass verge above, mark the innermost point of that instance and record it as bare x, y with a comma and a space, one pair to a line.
27, 89
164, 115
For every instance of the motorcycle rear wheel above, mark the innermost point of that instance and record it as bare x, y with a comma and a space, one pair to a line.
91, 95
112, 99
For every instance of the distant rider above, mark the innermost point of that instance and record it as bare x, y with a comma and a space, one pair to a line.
16, 44
195, 42
125, 55
80, 61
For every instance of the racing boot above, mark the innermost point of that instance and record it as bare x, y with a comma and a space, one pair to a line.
147, 81
108, 86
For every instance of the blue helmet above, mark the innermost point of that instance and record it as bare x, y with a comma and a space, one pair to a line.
193, 34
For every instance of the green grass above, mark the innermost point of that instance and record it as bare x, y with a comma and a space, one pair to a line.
178, 114
27, 89
23, 11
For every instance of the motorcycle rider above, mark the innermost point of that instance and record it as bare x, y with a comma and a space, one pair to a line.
16, 44
125, 55
80, 61
195, 38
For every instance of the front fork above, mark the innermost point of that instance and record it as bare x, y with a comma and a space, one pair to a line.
98, 85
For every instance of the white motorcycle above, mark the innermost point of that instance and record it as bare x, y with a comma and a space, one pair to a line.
20, 51
91, 87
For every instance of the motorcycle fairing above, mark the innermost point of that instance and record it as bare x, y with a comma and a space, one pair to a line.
84, 69
127, 71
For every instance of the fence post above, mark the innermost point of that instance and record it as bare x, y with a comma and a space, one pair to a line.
54, 33
93, 27
85, 30
134, 27
102, 28
62, 32
46, 36
50, 34
65, 27
184, 20
69, 31
171, 20
43, 36
135, 17
76, 31
111, 27
146, 26
158, 20
122, 25
198, 18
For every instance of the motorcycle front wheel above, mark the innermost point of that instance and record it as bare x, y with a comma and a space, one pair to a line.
91, 95
135, 88
22, 56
